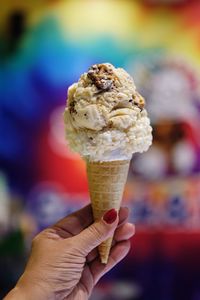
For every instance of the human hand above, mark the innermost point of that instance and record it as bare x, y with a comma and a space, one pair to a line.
64, 261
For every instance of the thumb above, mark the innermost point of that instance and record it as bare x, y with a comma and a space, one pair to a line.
98, 232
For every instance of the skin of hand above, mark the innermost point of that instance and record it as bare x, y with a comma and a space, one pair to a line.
64, 261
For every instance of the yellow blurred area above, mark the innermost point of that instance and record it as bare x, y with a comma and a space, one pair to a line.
28, 6
123, 20
98, 17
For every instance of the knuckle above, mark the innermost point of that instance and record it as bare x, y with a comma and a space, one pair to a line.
96, 231
113, 260
71, 243
34, 241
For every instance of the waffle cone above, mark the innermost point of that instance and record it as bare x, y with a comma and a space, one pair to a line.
106, 186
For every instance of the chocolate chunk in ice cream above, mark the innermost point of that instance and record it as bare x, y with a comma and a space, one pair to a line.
102, 76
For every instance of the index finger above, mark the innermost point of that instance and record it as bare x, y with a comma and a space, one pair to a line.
74, 223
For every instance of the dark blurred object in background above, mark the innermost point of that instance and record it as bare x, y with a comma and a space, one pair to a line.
44, 47
13, 32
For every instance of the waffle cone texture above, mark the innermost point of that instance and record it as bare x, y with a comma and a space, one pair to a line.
106, 186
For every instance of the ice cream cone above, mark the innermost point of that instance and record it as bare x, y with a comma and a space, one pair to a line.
105, 120
106, 185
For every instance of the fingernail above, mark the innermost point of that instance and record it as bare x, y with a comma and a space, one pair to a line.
110, 216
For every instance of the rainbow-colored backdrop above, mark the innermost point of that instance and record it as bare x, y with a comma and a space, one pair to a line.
44, 47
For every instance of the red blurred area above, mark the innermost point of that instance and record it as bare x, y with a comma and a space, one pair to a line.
173, 245
69, 172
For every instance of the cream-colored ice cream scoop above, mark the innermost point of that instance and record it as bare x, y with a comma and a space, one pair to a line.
105, 117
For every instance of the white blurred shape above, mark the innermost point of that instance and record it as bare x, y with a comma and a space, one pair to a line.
170, 96
184, 157
151, 164
126, 290
4, 204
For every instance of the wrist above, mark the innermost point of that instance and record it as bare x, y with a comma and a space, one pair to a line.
14, 294
28, 288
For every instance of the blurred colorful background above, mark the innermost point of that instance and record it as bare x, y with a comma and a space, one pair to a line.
44, 47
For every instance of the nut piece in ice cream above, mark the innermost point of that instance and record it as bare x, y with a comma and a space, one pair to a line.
138, 100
